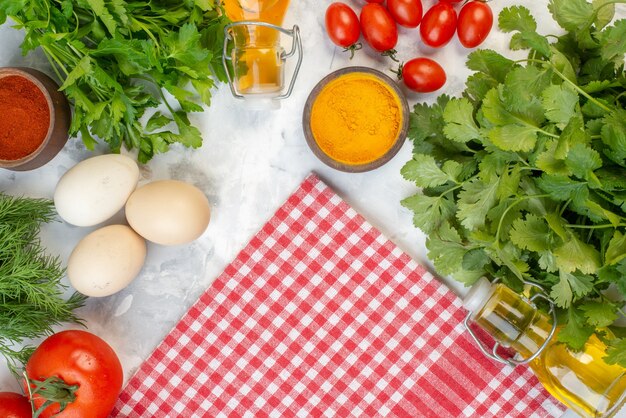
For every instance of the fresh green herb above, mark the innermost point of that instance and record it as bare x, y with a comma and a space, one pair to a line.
31, 293
524, 176
115, 57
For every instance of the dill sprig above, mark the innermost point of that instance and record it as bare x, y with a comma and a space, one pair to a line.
31, 293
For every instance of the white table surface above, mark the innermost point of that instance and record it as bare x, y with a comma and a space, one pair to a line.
248, 165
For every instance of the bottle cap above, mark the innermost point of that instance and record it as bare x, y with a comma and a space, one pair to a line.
478, 295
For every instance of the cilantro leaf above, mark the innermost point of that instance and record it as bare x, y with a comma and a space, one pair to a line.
424, 171
571, 15
475, 260
459, 119
612, 41
429, 212
475, 200
583, 160
576, 331
559, 102
513, 137
599, 314
427, 121
516, 18
550, 164
446, 250
605, 11
523, 87
561, 293
531, 233
616, 353
576, 255
490, 63
531, 40
613, 134
616, 250
561, 187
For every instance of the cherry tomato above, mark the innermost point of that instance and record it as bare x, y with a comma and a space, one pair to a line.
423, 75
83, 359
407, 13
378, 27
438, 25
475, 22
342, 25
14, 405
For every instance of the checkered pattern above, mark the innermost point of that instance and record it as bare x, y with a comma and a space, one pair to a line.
320, 315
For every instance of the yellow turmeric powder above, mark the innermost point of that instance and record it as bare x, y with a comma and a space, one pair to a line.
356, 118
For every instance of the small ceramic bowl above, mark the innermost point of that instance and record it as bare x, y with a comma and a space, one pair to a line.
397, 142
60, 118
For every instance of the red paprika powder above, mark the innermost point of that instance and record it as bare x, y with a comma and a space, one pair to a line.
24, 117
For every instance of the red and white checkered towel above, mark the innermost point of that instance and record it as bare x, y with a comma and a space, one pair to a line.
320, 315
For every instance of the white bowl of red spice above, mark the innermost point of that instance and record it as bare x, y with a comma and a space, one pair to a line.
34, 118
355, 119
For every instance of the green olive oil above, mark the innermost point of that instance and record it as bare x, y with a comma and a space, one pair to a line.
580, 380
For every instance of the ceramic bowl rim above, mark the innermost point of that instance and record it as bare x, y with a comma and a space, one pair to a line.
398, 141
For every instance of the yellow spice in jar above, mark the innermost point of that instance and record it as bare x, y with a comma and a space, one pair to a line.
356, 118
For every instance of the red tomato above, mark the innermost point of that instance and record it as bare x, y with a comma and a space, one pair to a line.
407, 13
342, 25
423, 75
83, 359
438, 25
378, 27
475, 22
14, 405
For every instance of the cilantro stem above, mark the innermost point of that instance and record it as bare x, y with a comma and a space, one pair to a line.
497, 237
581, 91
568, 81
594, 226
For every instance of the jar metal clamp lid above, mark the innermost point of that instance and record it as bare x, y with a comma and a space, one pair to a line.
476, 299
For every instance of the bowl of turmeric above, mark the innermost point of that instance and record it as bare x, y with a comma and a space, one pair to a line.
34, 118
355, 119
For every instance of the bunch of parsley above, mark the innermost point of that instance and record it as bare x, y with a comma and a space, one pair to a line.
115, 57
524, 176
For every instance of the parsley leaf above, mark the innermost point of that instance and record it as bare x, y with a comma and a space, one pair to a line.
114, 58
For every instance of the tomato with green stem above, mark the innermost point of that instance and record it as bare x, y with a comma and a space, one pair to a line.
342, 26
379, 29
474, 23
438, 25
422, 75
75, 374
14, 405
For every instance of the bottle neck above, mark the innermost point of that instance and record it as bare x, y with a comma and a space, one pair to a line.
513, 322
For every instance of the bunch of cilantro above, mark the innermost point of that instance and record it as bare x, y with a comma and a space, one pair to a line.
115, 57
523, 178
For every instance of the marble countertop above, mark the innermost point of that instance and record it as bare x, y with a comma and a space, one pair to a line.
248, 165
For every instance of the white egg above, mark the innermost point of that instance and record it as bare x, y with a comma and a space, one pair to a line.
95, 189
168, 212
106, 261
